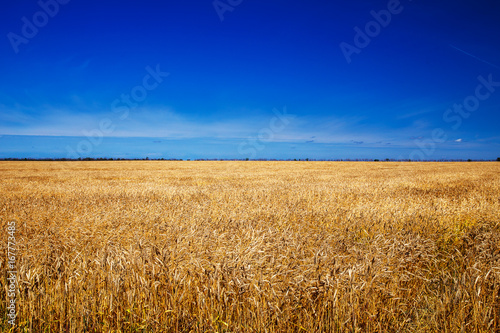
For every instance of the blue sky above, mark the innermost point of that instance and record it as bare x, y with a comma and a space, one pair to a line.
257, 79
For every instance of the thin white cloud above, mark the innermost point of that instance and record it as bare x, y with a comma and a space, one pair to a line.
166, 123
458, 140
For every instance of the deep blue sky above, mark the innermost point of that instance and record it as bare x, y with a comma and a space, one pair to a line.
227, 76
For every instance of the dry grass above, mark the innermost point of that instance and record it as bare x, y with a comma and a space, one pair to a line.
254, 246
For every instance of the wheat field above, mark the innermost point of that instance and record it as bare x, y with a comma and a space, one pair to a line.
199, 246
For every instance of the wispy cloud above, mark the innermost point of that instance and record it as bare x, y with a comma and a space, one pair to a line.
167, 123
418, 113
475, 57
83, 66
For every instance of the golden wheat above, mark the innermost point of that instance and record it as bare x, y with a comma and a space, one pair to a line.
153, 246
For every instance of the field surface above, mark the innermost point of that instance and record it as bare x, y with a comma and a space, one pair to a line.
157, 246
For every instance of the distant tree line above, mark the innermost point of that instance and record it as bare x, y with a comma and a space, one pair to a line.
232, 159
